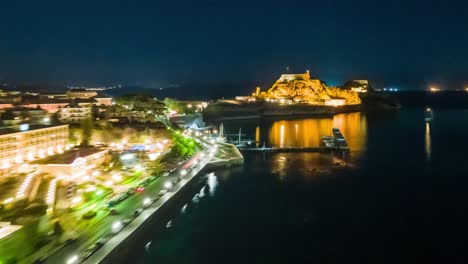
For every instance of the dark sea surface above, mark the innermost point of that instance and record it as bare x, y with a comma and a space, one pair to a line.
401, 197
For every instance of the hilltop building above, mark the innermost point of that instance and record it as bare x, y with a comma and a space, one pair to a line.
302, 89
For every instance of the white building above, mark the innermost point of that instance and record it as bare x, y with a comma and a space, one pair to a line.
30, 142
74, 113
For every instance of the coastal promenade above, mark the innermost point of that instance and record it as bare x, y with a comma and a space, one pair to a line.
115, 249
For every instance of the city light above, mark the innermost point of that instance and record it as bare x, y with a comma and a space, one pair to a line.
73, 259
138, 167
108, 183
183, 172
76, 200
168, 185
8, 200
147, 201
21, 191
127, 156
116, 226
91, 188
116, 177
434, 89
51, 192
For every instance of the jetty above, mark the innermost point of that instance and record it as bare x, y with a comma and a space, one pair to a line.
295, 149
336, 142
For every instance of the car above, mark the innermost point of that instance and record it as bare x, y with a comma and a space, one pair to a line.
100, 242
162, 192
165, 174
113, 212
89, 214
140, 189
88, 252
126, 221
137, 212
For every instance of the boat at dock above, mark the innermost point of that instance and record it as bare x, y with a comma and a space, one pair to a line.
328, 141
340, 141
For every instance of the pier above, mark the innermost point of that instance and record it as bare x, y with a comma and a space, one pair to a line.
336, 142
296, 149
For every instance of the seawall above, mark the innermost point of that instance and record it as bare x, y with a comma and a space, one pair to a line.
132, 240
258, 111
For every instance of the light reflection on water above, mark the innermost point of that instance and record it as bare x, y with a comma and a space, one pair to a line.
309, 132
212, 182
427, 142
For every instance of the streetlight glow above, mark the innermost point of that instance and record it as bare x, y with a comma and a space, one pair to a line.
147, 201
168, 185
72, 259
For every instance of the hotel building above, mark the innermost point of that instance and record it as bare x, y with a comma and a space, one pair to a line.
26, 142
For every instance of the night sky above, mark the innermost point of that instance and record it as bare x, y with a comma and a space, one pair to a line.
233, 43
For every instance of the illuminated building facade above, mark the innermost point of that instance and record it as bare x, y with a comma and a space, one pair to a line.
25, 142
74, 113
302, 89
74, 165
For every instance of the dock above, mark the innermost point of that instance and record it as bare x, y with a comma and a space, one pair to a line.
330, 143
296, 149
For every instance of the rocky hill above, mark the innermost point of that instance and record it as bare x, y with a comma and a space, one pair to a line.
302, 89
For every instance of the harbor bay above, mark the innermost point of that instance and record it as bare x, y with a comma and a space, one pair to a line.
399, 192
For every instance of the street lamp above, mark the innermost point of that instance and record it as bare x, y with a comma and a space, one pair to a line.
168, 185
73, 259
146, 201
116, 226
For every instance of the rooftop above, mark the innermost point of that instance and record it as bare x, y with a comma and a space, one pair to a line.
7, 229
70, 156
24, 128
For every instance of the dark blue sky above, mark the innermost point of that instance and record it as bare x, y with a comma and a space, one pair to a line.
396, 43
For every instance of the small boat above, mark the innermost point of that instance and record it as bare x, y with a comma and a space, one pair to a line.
328, 141
428, 115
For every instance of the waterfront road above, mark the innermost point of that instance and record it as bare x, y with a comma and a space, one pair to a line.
126, 209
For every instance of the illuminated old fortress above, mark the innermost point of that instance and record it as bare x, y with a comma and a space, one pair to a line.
301, 89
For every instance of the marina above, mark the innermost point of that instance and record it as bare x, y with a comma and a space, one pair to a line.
336, 142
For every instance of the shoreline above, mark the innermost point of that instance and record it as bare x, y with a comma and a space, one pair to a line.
122, 245
252, 112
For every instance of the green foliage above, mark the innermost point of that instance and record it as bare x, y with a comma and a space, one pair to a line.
87, 126
183, 146
174, 105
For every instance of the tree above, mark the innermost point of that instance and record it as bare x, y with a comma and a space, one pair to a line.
87, 126
174, 105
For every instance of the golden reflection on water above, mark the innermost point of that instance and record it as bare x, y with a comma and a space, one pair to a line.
427, 142
309, 132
